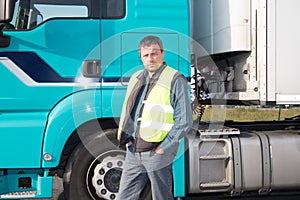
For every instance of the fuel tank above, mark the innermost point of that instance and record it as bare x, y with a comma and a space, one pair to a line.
257, 161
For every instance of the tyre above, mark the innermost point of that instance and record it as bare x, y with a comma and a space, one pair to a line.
94, 170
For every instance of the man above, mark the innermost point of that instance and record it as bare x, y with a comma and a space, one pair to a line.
156, 114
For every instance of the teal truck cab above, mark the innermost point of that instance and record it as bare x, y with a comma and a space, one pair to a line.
64, 68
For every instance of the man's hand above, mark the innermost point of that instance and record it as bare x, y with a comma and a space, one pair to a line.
129, 144
159, 150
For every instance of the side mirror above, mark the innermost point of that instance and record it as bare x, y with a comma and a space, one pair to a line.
7, 10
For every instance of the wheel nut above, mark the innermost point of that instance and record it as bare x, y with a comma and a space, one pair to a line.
109, 165
120, 163
101, 171
99, 182
103, 191
112, 196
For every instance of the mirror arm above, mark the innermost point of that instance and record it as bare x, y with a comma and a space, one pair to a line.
4, 40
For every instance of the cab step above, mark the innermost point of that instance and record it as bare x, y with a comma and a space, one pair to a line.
14, 195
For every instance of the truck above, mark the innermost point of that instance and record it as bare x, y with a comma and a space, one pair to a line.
65, 66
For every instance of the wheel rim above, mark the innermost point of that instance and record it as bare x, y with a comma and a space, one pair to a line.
104, 174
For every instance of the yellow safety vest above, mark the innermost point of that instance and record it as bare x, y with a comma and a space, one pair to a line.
157, 117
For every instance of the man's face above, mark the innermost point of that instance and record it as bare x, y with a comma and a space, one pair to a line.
152, 57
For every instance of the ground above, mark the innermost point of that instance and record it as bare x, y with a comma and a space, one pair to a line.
57, 190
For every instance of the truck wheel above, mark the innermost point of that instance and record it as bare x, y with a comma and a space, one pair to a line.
94, 170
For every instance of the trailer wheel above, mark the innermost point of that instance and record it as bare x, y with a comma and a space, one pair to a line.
94, 170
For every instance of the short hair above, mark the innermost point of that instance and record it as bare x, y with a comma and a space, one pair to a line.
150, 40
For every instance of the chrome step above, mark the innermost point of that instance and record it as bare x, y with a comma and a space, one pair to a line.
214, 184
13, 195
214, 157
221, 131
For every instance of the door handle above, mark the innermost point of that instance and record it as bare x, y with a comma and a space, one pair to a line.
91, 68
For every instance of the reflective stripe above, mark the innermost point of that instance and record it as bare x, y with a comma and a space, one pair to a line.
27, 80
162, 117
158, 107
156, 125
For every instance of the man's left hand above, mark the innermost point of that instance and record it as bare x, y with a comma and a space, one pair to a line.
159, 150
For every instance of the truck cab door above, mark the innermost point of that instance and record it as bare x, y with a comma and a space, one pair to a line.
123, 25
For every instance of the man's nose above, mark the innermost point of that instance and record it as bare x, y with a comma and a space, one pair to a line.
150, 58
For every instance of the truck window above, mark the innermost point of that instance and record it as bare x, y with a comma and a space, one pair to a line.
113, 9
52, 11
31, 13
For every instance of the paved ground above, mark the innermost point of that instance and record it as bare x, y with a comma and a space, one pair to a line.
58, 188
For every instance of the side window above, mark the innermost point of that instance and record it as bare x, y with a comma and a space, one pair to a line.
52, 11
33, 12
113, 9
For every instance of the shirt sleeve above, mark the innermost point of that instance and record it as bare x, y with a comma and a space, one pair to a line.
181, 104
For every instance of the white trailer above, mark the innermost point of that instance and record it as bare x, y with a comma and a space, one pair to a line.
246, 52
255, 44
